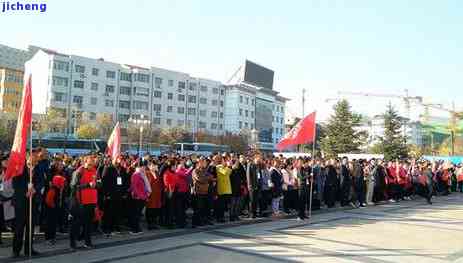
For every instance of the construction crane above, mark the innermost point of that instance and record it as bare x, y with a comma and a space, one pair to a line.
406, 98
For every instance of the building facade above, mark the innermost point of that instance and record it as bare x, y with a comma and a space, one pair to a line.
84, 88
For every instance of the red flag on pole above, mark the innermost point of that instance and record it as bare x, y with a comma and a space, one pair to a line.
114, 143
303, 132
18, 150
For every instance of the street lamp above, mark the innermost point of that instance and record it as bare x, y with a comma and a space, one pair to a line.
254, 138
141, 122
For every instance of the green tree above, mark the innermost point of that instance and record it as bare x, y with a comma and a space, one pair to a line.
87, 131
105, 125
393, 143
53, 121
341, 135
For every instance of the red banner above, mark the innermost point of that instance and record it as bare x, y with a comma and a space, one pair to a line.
114, 143
303, 132
18, 150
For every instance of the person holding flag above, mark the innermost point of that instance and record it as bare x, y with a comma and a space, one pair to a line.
20, 175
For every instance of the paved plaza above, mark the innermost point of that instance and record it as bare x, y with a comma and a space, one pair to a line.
409, 231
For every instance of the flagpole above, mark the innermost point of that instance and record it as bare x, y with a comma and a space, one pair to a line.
30, 195
311, 174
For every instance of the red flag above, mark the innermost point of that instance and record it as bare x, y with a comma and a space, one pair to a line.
114, 142
303, 132
18, 150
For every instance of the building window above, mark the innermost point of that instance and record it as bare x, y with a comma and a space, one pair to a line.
241, 99
180, 110
213, 126
170, 96
61, 65
246, 113
124, 90
180, 122
203, 88
221, 103
95, 71
126, 76
124, 104
140, 91
191, 111
246, 125
140, 105
252, 102
140, 77
220, 127
202, 113
157, 94
170, 83
94, 86
157, 82
215, 91
59, 96
192, 99
247, 100
214, 114
240, 124
92, 116
181, 85
222, 92
202, 125
252, 114
109, 89
77, 99
123, 117
157, 120
192, 86
214, 102
181, 97
169, 108
78, 84
93, 101
157, 107
109, 103
252, 126
169, 122
241, 112
60, 81
110, 74
221, 115
80, 69
202, 100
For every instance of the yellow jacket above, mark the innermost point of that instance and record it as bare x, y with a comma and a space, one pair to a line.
223, 180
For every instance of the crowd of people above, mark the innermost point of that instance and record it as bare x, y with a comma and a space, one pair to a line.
95, 193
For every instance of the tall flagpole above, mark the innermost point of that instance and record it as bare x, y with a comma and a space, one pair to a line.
31, 167
311, 174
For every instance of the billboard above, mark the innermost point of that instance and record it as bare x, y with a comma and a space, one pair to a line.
257, 75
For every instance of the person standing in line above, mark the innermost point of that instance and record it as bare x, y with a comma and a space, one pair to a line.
223, 187
346, 182
84, 198
302, 184
54, 201
170, 190
369, 173
289, 186
253, 175
276, 186
200, 191
140, 190
236, 180
154, 203
331, 184
183, 177
359, 183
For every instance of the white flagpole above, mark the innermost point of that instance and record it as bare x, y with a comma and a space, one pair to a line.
31, 167
311, 174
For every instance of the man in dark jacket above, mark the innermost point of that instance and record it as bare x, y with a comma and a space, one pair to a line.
115, 182
253, 174
236, 180
22, 191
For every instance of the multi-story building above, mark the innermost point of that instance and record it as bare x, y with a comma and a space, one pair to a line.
81, 86
90, 87
11, 77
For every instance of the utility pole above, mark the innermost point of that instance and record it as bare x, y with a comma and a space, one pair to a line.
303, 102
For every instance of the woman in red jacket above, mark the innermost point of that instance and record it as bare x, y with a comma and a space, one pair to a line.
183, 178
170, 189
154, 203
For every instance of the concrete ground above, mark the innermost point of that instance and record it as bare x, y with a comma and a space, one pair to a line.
410, 231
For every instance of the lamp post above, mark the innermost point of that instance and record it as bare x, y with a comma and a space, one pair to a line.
141, 121
254, 139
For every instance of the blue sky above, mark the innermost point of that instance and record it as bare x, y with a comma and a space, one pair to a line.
323, 46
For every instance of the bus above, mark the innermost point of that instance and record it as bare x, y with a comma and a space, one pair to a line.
188, 148
70, 146
150, 148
